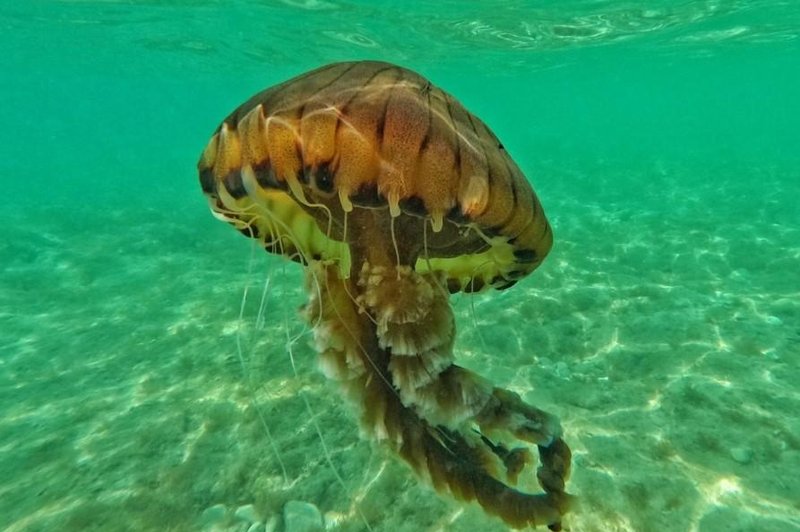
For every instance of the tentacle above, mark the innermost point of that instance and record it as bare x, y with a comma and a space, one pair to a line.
438, 416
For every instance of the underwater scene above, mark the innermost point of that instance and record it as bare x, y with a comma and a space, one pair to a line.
502, 265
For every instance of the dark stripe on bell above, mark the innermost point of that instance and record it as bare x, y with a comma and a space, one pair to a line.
387, 100
207, 181
513, 182
426, 139
233, 184
452, 123
489, 176
347, 68
381, 124
525, 255
344, 107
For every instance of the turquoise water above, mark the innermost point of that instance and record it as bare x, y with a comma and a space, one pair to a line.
663, 329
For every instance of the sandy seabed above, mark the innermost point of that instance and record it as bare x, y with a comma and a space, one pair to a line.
664, 331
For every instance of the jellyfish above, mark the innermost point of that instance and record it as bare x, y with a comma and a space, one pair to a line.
393, 196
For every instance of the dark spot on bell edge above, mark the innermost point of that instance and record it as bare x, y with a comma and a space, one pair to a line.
413, 205
525, 255
475, 284
516, 274
303, 175
367, 196
504, 285
324, 178
492, 232
265, 177
453, 286
250, 231
207, 180
457, 216
233, 184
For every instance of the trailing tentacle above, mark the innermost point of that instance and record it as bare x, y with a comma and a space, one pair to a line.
438, 416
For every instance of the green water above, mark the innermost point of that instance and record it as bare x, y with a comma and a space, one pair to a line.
663, 329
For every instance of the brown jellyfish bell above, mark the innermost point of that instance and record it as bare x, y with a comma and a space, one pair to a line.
393, 196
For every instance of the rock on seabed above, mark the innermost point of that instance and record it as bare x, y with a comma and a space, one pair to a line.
299, 516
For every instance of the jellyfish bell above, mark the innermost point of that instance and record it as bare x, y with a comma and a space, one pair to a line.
393, 196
